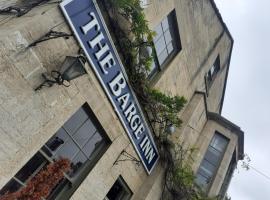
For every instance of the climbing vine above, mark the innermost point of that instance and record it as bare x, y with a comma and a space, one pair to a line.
133, 38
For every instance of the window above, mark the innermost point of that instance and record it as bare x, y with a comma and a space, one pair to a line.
119, 191
166, 42
211, 161
211, 74
81, 139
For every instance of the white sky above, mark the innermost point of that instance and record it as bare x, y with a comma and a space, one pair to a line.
247, 97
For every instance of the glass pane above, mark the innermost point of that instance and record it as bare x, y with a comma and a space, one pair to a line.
75, 121
57, 140
162, 57
165, 24
170, 48
212, 70
213, 156
208, 77
31, 167
92, 144
219, 142
207, 169
160, 45
68, 150
201, 181
56, 192
11, 186
158, 31
77, 163
168, 37
84, 133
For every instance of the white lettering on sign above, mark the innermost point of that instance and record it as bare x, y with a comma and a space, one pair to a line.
147, 149
117, 85
103, 48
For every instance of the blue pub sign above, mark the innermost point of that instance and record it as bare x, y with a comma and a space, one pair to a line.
85, 20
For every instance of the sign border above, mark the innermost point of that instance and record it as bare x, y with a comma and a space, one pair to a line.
62, 6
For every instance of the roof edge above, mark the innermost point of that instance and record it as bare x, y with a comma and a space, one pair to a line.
220, 18
230, 36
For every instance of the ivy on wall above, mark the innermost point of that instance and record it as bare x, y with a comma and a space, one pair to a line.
133, 36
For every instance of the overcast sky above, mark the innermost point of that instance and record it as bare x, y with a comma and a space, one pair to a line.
247, 99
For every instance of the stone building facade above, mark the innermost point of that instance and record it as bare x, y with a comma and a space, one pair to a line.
193, 58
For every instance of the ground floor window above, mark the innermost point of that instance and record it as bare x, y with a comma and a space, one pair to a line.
81, 141
119, 191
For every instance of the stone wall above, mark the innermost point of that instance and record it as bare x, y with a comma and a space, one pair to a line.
28, 118
203, 38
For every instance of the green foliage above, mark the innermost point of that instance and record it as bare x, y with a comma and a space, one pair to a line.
168, 107
179, 177
162, 110
183, 175
141, 38
132, 10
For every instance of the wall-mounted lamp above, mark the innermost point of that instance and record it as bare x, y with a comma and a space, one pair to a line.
170, 129
72, 68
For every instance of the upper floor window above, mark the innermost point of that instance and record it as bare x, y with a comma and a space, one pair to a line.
81, 140
211, 161
166, 42
212, 72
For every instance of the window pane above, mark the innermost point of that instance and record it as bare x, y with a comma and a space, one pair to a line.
219, 142
207, 168
11, 186
84, 133
168, 37
213, 156
75, 121
160, 45
201, 181
77, 163
57, 140
212, 70
170, 48
162, 57
92, 144
165, 24
31, 167
68, 150
158, 31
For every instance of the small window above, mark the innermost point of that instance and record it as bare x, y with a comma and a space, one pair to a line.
212, 72
81, 139
211, 161
166, 42
119, 191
